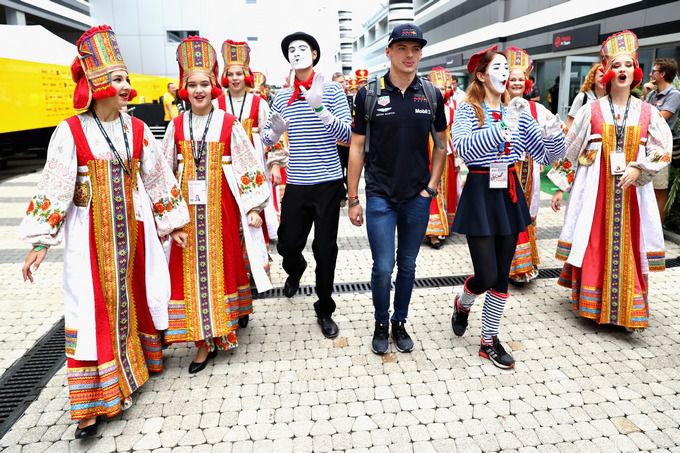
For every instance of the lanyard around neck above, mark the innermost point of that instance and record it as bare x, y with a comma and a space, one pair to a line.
619, 129
233, 112
115, 152
198, 154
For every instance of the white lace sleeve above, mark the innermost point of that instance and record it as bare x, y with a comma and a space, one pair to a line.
46, 211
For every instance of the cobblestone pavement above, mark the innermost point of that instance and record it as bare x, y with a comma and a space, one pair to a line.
576, 386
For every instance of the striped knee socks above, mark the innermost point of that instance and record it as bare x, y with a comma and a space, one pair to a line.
467, 298
494, 303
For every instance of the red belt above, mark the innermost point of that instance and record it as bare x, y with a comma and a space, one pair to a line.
512, 189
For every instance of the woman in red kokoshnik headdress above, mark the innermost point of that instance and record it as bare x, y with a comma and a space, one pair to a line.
102, 175
225, 186
612, 236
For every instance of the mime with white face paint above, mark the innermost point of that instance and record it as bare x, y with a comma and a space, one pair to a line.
315, 115
492, 210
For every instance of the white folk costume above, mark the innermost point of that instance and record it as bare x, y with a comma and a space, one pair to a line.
116, 284
525, 261
222, 179
252, 112
443, 206
612, 238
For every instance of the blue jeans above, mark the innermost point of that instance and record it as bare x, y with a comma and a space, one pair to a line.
410, 221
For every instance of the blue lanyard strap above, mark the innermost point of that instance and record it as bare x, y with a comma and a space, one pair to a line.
488, 120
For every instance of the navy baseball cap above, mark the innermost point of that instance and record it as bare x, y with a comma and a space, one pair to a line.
407, 32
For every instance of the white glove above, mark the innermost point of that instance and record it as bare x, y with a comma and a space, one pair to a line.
279, 125
552, 127
513, 112
519, 103
313, 95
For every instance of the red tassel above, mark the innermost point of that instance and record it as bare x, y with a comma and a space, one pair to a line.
225, 82
132, 95
637, 77
528, 85
215, 92
608, 77
250, 81
82, 95
105, 93
183, 94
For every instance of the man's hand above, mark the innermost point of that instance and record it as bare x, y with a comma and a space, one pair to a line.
356, 215
254, 219
276, 174
32, 263
313, 95
180, 237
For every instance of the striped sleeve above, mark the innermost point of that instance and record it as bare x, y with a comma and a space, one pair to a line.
473, 144
341, 125
542, 150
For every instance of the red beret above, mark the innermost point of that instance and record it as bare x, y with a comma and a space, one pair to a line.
477, 57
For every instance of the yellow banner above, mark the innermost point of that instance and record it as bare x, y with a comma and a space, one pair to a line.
35, 95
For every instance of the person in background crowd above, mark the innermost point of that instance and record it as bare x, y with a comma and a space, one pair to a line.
170, 103
343, 148
524, 267
612, 237
591, 89
223, 181
443, 206
553, 95
314, 188
531, 92
457, 94
399, 184
492, 210
666, 98
361, 77
102, 174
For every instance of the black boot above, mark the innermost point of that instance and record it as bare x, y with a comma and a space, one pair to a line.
195, 367
381, 338
401, 338
243, 321
329, 328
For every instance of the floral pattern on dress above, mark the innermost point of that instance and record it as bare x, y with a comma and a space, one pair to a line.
166, 204
562, 174
251, 180
41, 209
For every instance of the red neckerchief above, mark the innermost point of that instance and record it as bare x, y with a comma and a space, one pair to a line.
296, 91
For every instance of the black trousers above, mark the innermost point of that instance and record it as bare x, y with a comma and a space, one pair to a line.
302, 207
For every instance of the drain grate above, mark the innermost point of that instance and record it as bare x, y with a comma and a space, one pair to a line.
426, 282
21, 384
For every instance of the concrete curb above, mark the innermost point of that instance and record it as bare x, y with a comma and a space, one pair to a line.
671, 236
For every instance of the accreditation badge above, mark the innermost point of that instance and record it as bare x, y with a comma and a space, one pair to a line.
617, 163
198, 192
498, 176
137, 201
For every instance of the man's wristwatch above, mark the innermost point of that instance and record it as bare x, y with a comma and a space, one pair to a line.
431, 191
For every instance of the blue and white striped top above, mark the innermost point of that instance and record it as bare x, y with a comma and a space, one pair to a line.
478, 147
312, 144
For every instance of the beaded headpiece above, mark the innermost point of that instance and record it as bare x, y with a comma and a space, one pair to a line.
98, 56
439, 77
236, 53
195, 55
623, 43
519, 59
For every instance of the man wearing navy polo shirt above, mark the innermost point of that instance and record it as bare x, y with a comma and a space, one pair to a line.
399, 184
316, 116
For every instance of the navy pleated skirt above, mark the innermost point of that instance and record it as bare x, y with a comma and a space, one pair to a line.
490, 212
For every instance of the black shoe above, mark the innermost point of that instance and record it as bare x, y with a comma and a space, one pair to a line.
243, 321
195, 367
88, 431
164, 345
402, 340
459, 319
381, 338
290, 288
328, 327
436, 245
496, 353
